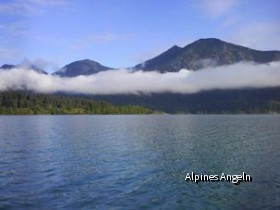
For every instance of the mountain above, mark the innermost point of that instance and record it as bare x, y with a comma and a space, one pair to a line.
81, 67
31, 67
203, 53
34, 68
7, 66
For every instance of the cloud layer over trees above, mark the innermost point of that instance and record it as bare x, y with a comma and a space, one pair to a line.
123, 81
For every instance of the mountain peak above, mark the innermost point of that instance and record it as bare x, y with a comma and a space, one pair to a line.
209, 40
164, 57
204, 53
7, 66
81, 67
87, 61
175, 47
207, 43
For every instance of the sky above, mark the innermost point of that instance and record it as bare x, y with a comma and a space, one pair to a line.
123, 33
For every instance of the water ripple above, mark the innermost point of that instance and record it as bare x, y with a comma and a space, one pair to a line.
128, 162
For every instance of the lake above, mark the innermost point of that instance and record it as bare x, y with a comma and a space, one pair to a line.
138, 161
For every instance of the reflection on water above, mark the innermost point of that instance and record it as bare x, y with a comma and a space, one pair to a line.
138, 161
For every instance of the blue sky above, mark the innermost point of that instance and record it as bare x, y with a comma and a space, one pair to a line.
123, 33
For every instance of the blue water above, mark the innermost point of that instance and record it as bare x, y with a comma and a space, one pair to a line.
138, 162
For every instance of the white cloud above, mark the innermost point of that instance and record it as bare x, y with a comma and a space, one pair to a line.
97, 39
49, 2
230, 21
29, 7
12, 40
15, 29
125, 82
40, 63
15, 8
216, 8
103, 38
259, 35
9, 53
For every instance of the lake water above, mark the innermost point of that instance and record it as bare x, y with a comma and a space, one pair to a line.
138, 162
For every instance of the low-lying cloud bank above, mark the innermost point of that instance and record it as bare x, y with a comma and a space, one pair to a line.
241, 75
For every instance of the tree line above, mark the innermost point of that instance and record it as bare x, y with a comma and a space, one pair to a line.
13, 103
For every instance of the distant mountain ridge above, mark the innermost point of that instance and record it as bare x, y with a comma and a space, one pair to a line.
31, 67
203, 53
195, 56
81, 67
7, 66
209, 52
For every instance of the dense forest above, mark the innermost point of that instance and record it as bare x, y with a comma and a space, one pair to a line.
13, 103
235, 101
249, 101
